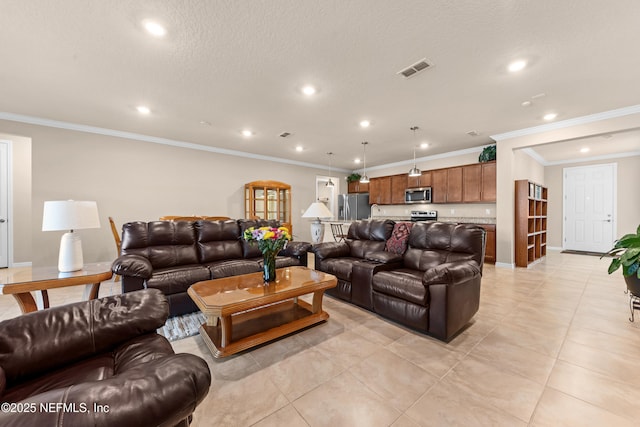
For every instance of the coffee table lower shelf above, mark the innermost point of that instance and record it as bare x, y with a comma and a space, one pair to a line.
254, 327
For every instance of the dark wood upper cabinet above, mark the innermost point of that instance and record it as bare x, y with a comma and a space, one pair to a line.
424, 180
489, 182
472, 178
358, 187
398, 186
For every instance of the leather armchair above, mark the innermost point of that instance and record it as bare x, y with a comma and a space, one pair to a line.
437, 289
100, 363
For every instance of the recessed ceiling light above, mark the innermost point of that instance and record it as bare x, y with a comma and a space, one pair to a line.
247, 133
424, 145
299, 148
584, 150
516, 66
204, 122
309, 90
365, 123
154, 28
356, 160
549, 116
143, 110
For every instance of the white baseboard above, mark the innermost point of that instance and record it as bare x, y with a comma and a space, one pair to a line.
505, 265
555, 248
21, 264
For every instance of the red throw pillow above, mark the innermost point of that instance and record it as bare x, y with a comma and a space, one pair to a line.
397, 243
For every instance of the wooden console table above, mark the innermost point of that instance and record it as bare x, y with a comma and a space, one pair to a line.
39, 279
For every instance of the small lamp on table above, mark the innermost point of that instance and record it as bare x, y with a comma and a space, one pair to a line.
70, 215
317, 210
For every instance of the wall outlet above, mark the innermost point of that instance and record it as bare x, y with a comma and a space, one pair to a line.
453, 211
487, 211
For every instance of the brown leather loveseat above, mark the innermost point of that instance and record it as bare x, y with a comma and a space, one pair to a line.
97, 363
434, 287
173, 255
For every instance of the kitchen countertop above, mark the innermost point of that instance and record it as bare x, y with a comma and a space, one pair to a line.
460, 219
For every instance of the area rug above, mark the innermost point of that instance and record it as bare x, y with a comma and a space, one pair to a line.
184, 326
570, 251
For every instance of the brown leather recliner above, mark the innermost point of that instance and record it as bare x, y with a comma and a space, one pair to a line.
99, 363
355, 260
437, 289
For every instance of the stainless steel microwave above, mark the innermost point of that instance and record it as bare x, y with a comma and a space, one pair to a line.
417, 195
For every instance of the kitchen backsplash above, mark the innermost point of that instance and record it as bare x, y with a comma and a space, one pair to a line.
466, 210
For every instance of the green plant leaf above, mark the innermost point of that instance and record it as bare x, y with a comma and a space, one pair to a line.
615, 264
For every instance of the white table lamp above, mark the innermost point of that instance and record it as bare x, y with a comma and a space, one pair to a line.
70, 215
317, 210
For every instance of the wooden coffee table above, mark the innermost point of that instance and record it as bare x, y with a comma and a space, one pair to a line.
242, 312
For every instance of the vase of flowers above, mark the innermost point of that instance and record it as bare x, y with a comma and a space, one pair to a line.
270, 241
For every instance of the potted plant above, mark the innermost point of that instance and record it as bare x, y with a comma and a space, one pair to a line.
353, 177
488, 154
626, 254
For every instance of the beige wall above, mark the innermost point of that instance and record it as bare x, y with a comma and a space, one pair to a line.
133, 180
507, 146
20, 216
628, 202
526, 167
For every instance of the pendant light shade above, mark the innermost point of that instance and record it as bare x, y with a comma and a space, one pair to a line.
364, 179
330, 183
414, 170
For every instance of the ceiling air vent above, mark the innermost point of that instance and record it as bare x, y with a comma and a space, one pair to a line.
285, 134
415, 68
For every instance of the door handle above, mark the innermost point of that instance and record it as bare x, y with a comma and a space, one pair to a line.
606, 220
2, 220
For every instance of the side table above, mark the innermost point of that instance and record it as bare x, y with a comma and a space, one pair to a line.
39, 279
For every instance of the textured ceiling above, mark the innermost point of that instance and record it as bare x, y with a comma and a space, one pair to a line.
240, 64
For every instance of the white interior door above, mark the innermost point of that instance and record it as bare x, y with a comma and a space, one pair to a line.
4, 205
589, 207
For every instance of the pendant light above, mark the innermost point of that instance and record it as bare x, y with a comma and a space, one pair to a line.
364, 179
414, 170
330, 183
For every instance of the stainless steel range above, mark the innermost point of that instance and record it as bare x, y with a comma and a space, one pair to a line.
424, 216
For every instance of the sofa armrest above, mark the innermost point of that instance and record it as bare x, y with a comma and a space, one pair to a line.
331, 250
161, 392
42, 341
383, 257
451, 273
454, 292
296, 249
132, 266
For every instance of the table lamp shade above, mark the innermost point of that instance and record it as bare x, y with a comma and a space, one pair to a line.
317, 210
70, 215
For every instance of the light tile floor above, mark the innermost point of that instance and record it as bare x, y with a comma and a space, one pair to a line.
550, 346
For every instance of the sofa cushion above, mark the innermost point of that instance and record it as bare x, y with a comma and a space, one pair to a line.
397, 243
405, 284
177, 279
163, 243
339, 267
218, 240
233, 267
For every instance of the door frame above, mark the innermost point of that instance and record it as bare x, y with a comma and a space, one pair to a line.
9, 195
614, 167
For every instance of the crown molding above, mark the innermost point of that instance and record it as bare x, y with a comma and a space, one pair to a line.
154, 139
605, 115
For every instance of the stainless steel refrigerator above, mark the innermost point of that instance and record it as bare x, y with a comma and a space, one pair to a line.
353, 206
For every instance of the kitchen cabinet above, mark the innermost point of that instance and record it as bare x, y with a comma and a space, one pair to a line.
490, 248
398, 186
446, 185
380, 190
472, 179
358, 187
424, 180
488, 182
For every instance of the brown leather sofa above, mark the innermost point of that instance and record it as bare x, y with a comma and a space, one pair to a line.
173, 255
434, 287
97, 363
